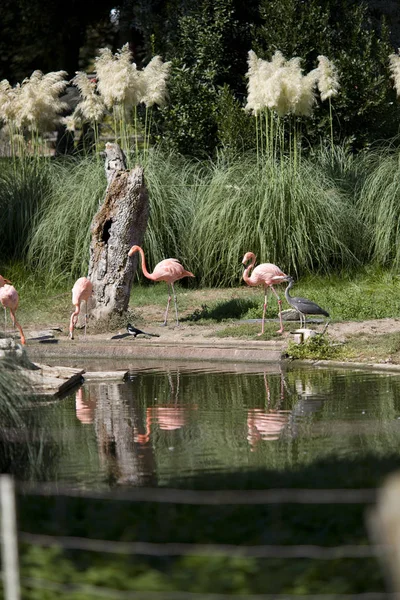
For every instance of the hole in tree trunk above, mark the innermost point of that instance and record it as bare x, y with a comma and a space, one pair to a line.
106, 231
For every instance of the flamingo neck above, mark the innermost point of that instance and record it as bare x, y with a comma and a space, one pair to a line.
144, 268
248, 269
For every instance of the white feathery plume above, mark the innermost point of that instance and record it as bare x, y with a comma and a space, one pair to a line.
38, 102
328, 79
71, 122
7, 101
306, 100
254, 87
154, 82
394, 66
91, 108
283, 89
119, 80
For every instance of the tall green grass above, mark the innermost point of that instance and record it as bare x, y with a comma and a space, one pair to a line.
333, 212
378, 204
60, 233
173, 183
296, 218
24, 185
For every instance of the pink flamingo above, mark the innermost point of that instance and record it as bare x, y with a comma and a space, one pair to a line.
9, 299
168, 270
267, 275
81, 291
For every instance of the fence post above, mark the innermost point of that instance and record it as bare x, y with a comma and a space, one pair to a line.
9, 542
383, 523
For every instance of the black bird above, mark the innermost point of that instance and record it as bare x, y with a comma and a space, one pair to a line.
135, 331
302, 305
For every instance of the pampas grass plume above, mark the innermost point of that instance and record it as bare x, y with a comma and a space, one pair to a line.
154, 82
394, 66
7, 101
91, 107
328, 79
38, 105
306, 99
119, 81
255, 101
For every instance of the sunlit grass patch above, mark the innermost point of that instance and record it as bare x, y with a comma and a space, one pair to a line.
252, 331
376, 347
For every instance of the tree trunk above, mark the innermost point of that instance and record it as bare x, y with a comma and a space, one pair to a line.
119, 224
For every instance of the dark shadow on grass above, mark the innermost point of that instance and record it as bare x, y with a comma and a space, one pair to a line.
229, 309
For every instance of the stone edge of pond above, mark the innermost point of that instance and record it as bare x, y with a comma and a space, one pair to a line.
364, 366
222, 351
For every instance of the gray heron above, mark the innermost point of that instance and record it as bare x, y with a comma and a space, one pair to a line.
302, 305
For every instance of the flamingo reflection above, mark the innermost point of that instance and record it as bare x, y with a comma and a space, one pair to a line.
267, 423
84, 408
168, 417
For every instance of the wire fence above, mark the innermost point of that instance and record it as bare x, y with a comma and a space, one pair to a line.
10, 538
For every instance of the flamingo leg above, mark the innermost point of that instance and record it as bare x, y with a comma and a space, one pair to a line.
280, 309
5, 321
264, 310
166, 311
72, 323
85, 316
176, 307
18, 326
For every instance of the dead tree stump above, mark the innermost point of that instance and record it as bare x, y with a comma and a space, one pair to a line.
119, 224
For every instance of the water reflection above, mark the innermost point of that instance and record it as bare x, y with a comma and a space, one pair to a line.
85, 407
179, 422
268, 423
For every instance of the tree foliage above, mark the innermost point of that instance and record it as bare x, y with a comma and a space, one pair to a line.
45, 34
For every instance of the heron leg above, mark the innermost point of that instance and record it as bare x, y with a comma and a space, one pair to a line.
176, 306
300, 318
166, 311
280, 309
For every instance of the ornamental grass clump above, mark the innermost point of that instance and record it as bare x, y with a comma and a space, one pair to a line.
58, 244
60, 237
23, 189
173, 183
378, 204
297, 219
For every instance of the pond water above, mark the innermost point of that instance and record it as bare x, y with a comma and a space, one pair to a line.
178, 421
